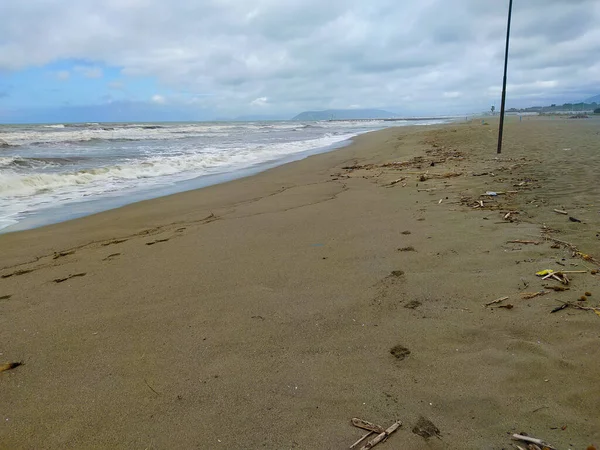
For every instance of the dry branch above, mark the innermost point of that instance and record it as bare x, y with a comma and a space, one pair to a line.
377, 439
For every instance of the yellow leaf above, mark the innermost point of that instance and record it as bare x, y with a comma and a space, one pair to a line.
542, 273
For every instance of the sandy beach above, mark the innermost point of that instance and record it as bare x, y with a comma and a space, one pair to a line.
261, 313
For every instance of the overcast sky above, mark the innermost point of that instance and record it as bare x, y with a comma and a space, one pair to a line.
200, 59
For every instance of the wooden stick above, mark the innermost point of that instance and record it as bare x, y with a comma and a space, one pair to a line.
367, 425
520, 241
530, 295
498, 300
361, 439
560, 211
518, 437
377, 439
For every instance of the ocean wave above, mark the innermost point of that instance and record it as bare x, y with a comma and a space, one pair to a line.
19, 162
103, 179
58, 125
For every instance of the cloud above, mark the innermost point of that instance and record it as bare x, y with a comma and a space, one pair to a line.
308, 54
159, 99
89, 72
63, 75
260, 101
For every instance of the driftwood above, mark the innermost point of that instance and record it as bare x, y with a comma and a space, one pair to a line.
530, 295
560, 211
520, 241
397, 181
498, 300
519, 437
359, 423
361, 439
380, 437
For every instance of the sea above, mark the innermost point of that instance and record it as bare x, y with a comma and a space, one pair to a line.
55, 172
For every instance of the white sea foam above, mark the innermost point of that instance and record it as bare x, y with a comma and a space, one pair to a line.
31, 191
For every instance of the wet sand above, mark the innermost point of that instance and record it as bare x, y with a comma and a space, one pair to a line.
261, 313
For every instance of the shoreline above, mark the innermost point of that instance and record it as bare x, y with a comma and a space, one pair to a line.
278, 299
96, 206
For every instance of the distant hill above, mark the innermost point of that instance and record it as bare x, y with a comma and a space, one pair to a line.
345, 114
595, 99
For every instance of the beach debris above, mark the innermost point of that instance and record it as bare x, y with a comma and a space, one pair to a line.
441, 200
426, 428
362, 438
150, 387
587, 294
5, 297
521, 241
557, 288
491, 193
10, 366
573, 219
498, 300
382, 436
396, 181
530, 295
366, 425
406, 232
400, 352
560, 211
575, 250
397, 273
480, 174
595, 309
559, 308
544, 272
507, 306
60, 280
583, 298
532, 440
407, 249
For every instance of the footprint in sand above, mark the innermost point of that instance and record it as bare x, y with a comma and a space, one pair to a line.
116, 241
60, 280
111, 256
157, 241
62, 254
17, 273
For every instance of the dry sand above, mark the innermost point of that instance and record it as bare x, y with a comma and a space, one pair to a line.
261, 313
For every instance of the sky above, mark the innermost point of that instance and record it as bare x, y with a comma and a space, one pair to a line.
126, 60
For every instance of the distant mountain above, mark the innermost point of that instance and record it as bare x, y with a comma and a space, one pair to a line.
595, 99
345, 114
258, 118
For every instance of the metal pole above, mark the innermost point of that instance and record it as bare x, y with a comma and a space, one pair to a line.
501, 128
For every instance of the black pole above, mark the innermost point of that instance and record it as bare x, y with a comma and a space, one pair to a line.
501, 128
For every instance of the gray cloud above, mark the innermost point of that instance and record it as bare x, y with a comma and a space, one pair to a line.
432, 55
